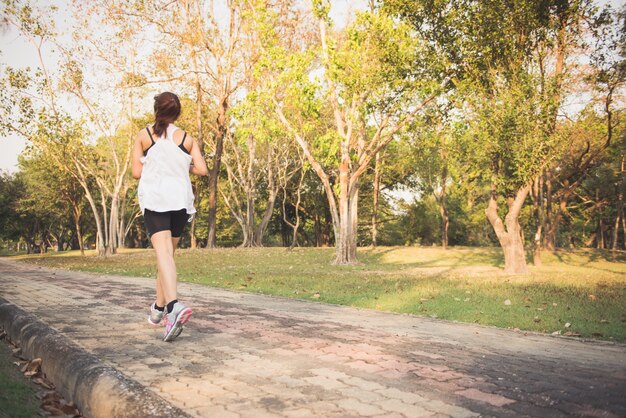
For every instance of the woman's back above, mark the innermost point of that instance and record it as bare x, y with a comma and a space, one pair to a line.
164, 184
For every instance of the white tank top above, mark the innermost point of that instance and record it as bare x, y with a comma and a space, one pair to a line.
164, 184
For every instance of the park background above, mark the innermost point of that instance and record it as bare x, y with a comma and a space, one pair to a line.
452, 143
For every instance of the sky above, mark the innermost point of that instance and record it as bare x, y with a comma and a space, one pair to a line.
16, 52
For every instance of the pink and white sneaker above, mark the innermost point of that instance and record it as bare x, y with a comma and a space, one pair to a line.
155, 316
175, 321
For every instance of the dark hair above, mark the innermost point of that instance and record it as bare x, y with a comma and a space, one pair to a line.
166, 111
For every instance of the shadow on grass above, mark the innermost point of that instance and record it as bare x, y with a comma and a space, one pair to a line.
453, 257
587, 256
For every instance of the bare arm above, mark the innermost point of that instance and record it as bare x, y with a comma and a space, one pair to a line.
199, 167
136, 164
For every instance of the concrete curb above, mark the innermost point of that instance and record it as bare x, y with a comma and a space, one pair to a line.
97, 389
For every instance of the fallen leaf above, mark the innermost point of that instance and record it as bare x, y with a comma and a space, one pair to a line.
316, 295
604, 321
47, 395
507, 302
53, 410
69, 409
592, 297
567, 325
32, 366
43, 382
557, 332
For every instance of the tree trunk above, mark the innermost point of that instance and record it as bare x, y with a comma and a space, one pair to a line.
537, 198
509, 233
192, 234
375, 205
272, 189
200, 138
620, 206
267, 215
113, 224
317, 227
248, 224
100, 244
615, 232
296, 225
443, 210
221, 123
345, 224
600, 234
122, 228
79, 236
549, 241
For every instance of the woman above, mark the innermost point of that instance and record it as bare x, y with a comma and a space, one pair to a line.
163, 156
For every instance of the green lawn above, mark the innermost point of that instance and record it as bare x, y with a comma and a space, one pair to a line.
18, 396
585, 288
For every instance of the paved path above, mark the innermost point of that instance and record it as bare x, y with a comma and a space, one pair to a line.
258, 356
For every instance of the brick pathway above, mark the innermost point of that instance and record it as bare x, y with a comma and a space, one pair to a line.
258, 356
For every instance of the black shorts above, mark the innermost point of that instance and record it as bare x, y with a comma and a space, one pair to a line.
173, 220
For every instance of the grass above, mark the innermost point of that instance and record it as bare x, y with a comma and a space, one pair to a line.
583, 288
18, 397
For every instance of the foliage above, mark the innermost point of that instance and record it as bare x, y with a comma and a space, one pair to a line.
499, 117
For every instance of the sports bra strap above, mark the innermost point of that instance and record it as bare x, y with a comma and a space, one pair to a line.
148, 130
182, 144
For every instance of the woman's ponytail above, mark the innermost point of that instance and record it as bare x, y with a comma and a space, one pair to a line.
166, 111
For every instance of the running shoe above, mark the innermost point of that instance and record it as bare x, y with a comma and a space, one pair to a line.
175, 321
155, 316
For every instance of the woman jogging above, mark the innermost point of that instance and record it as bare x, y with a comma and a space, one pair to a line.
163, 157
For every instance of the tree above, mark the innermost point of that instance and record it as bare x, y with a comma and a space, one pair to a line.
11, 189
198, 48
31, 108
432, 156
508, 60
54, 194
365, 82
590, 136
259, 155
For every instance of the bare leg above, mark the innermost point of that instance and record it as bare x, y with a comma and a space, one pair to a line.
162, 244
160, 298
